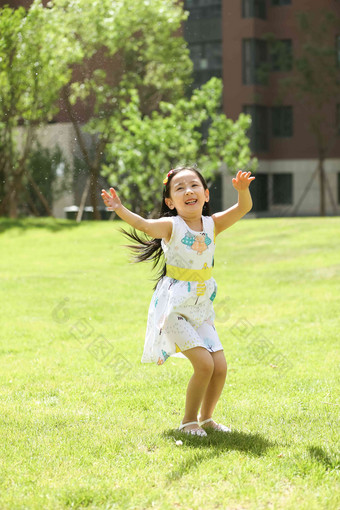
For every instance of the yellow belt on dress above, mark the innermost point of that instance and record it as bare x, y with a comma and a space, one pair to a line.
189, 275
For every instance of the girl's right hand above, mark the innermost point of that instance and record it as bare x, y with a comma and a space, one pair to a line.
111, 201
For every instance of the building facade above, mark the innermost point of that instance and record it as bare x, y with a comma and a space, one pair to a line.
229, 39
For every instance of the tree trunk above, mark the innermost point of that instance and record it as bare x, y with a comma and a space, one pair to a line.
83, 199
13, 205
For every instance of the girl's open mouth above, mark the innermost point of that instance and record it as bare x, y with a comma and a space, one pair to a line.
191, 202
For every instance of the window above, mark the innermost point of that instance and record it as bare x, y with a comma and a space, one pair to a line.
258, 132
203, 9
282, 189
206, 55
282, 121
213, 53
254, 9
189, 4
259, 193
281, 2
280, 55
215, 189
254, 55
202, 76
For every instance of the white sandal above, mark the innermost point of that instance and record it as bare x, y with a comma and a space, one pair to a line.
219, 428
195, 432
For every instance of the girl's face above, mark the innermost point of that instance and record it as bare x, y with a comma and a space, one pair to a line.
187, 194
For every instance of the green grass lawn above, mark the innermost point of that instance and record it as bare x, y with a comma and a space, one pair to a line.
84, 424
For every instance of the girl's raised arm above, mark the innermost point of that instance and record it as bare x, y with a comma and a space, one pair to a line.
159, 228
225, 219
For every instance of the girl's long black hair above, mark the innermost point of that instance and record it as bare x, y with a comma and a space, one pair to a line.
151, 249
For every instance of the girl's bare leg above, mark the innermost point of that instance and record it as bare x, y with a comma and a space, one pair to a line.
215, 386
203, 364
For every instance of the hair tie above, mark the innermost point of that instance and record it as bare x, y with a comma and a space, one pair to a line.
167, 177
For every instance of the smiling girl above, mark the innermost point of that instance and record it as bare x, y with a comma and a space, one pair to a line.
181, 315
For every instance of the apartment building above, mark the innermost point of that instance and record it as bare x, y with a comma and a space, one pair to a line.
228, 39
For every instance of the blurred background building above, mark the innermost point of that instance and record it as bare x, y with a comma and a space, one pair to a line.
226, 39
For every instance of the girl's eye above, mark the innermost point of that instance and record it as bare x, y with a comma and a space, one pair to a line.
182, 188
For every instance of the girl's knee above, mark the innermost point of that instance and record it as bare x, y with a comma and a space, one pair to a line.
201, 360
220, 363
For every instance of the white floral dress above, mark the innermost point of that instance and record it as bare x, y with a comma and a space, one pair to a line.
181, 314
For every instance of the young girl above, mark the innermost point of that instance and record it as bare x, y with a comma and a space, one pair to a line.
181, 315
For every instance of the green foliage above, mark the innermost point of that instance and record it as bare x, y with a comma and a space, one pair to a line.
41, 47
34, 63
139, 106
147, 56
35, 54
141, 36
143, 148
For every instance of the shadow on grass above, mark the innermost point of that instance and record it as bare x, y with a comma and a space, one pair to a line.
318, 454
52, 224
218, 443
254, 444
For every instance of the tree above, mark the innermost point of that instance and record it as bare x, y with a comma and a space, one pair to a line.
315, 81
34, 66
145, 147
139, 41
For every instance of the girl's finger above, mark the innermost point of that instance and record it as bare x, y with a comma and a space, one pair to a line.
113, 193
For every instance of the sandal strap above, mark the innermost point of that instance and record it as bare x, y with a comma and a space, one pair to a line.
206, 421
182, 425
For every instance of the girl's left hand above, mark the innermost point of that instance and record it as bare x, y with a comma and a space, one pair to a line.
242, 180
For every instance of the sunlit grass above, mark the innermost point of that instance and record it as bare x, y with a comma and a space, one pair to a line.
84, 427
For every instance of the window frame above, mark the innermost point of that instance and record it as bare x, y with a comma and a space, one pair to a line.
272, 54
276, 199
254, 7
281, 121
280, 3
204, 9
203, 49
337, 119
337, 49
259, 129
254, 55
